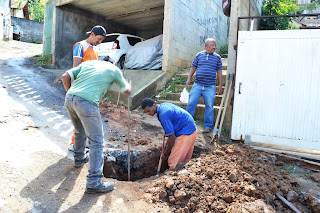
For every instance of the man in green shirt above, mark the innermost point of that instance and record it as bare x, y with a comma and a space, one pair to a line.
93, 79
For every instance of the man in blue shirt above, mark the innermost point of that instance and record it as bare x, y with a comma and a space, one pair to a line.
180, 128
208, 65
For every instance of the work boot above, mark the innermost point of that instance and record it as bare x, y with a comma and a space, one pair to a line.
79, 163
104, 187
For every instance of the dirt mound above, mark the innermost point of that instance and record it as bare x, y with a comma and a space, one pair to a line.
225, 180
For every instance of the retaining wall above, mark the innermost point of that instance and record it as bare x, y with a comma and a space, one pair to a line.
32, 30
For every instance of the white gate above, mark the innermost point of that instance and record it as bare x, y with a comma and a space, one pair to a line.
277, 88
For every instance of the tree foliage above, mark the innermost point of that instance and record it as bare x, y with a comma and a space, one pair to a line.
36, 10
277, 7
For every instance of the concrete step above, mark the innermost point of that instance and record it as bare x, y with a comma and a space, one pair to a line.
186, 74
199, 114
179, 88
176, 97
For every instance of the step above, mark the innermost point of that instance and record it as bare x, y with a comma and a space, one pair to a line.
186, 74
176, 97
179, 88
199, 114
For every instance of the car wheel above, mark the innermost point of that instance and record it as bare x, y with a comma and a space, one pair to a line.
121, 61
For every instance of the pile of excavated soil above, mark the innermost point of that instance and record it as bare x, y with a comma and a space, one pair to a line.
229, 179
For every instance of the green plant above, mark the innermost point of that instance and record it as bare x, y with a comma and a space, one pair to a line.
42, 60
224, 51
171, 88
277, 7
36, 10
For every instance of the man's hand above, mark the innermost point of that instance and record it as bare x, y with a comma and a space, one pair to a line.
128, 91
192, 70
164, 156
219, 90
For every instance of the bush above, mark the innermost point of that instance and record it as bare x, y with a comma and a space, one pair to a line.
277, 7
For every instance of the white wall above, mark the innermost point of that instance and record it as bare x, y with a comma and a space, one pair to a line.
187, 23
7, 19
1, 23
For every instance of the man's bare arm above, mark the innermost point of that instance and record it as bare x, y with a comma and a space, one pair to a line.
66, 80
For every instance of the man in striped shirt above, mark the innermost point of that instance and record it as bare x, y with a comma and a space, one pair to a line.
207, 65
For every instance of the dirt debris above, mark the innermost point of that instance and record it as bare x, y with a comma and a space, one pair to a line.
230, 179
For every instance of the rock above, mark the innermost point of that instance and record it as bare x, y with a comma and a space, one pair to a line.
172, 199
233, 177
292, 196
313, 200
219, 152
316, 177
169, 184
269, 198
260, 160
178, 194
302, 198
273, 158
250, 190
227, 198
162, 193
256, 206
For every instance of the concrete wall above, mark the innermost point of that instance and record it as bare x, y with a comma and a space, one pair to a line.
7, 29
71, 25
1, 23
187, 23
32, 30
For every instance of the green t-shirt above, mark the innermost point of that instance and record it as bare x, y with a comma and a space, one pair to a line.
93, 79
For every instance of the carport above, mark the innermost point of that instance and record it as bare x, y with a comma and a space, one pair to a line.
184, 25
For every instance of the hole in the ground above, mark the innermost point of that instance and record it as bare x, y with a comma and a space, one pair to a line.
144, 164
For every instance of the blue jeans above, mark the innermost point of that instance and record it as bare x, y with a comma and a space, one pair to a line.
209, 94
87, 122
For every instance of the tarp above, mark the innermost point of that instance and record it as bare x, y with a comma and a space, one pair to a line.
146, 55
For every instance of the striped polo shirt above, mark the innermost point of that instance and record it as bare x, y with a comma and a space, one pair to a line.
206, 68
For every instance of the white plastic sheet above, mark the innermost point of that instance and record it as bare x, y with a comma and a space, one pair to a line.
146, 55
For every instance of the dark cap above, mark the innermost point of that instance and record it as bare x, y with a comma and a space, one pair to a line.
98, 30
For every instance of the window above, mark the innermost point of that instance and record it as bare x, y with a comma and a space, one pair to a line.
110, 38
133, 40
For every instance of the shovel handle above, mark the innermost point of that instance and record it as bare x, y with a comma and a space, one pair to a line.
159, 165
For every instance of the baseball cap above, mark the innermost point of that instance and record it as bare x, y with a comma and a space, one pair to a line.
98, 30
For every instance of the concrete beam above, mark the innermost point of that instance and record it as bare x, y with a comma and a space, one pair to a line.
63, 2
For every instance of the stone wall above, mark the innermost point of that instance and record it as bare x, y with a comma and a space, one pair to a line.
187, 24
32, 30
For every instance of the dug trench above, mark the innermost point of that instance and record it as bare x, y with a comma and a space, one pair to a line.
146, 139
227, 178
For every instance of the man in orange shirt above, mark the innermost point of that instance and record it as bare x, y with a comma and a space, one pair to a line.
85, 50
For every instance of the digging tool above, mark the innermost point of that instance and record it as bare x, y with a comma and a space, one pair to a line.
129, 136
160, 160
224, 101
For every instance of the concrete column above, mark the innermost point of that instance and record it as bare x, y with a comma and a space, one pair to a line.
239, 8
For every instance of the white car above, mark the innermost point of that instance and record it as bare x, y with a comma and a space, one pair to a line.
17, 32
116, 46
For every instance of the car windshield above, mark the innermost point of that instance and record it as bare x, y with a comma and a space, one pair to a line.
110, 38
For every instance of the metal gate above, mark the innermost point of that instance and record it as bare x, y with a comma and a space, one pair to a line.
277, 88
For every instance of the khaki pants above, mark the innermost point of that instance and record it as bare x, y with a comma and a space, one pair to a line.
182, 150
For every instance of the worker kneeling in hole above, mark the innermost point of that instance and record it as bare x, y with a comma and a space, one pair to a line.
180, 128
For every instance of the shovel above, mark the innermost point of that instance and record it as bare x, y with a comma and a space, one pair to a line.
160, 160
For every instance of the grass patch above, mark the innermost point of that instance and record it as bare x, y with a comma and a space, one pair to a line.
42, 60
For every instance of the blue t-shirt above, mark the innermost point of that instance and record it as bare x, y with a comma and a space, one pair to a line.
175, 120
207, 66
